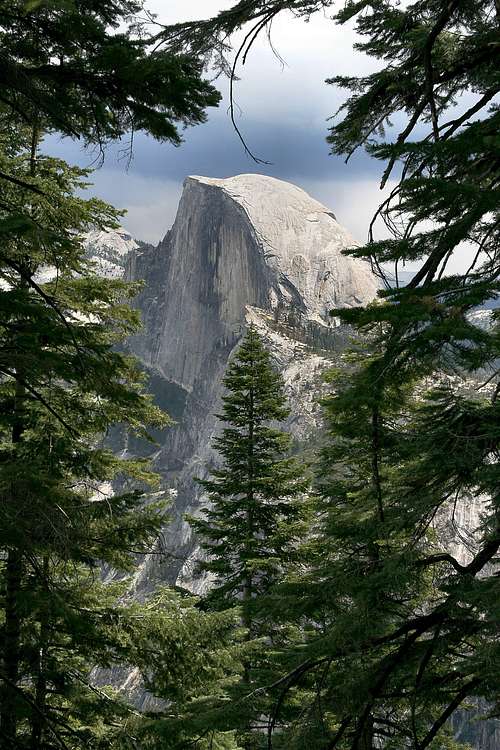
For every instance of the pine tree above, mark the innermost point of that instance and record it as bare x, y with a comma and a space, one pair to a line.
449, 179
248, 531
63, 384
95, 70
251, 529
190, 659
56, 341
66, 381
366, 580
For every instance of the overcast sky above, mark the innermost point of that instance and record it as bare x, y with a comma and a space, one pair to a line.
283, 115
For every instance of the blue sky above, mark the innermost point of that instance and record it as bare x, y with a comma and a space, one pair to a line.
283, 112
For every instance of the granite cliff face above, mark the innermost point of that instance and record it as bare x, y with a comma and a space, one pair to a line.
248, 240
247, 248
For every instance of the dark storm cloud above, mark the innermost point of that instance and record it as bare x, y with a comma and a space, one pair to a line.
149, 187
214, 150
283, 118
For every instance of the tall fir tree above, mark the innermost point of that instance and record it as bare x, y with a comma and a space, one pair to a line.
68, 67
251, 530
57, 339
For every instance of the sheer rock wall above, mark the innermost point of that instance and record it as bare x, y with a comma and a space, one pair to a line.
246, 248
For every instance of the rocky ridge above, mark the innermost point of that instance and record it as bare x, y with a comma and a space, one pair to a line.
109, 250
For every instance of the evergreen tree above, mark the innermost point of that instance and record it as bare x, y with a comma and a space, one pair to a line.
65, 382
449, 179
65, 66
190, 659
368, 590
94, 70
56, 342
250, 531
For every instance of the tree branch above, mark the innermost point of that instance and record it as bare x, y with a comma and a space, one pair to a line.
460, 696
38, 397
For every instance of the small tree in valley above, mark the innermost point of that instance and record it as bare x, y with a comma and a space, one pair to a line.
256, 516
254, 519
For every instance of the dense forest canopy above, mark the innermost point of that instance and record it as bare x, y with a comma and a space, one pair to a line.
338, 617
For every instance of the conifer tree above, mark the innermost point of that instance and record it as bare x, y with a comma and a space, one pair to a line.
249, 529
56, 340
63, 384
367, 575
94, 70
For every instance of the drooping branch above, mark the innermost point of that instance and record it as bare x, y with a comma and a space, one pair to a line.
21, 183
245, 46
28, 278
27, 699
38, 396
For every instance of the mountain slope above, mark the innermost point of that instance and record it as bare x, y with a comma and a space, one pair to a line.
247, 248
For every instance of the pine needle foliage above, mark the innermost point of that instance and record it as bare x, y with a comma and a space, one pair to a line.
94, 70
63, 385
91, 71
249, 530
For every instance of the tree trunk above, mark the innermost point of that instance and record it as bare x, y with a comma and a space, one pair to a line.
11, 647
247, 620
248, 582
377, 485
11, 655
13, 582
366, 740
40, 699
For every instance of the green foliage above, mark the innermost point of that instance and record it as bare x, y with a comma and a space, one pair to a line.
253, 523
63, 385
366, 630
92, 69
448, 180
190, 660
251, 530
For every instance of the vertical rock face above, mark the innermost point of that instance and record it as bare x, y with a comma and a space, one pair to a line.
247, 248
247, 240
